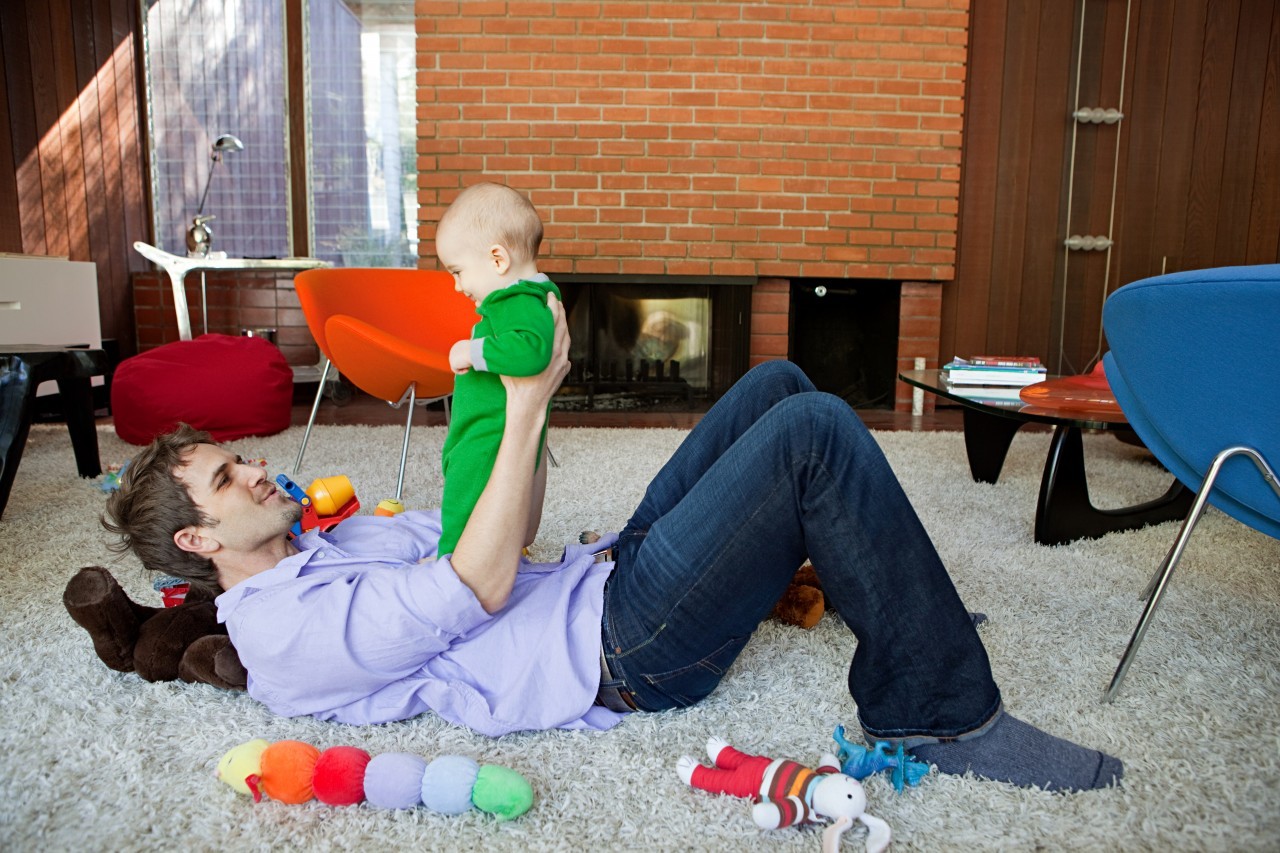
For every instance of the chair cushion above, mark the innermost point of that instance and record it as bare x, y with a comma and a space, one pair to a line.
381, 364
230, 386
1192, 367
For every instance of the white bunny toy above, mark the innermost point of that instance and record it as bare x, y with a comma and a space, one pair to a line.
789, 793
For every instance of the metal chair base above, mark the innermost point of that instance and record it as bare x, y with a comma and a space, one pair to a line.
315, 407
1155, 588
409, 396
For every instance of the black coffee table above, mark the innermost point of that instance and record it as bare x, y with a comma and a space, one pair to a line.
22, 369
1064, 512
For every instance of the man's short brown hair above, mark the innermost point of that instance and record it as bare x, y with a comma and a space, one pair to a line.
152, 504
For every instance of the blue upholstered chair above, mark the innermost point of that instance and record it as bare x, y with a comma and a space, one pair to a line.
1195, 367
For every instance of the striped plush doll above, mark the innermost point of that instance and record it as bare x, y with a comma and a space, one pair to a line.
787, 792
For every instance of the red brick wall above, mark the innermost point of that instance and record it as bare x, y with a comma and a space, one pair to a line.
770, 319
779, 139
775, 138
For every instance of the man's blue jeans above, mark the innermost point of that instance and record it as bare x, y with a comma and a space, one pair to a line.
775, 473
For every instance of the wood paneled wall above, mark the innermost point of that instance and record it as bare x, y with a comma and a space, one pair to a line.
72, 179
1197, 169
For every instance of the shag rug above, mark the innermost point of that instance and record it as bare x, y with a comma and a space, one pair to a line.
95, 760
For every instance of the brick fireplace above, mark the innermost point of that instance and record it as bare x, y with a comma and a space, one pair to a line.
782, 140
779, 142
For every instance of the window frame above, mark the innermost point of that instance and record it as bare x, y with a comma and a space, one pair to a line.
299, 194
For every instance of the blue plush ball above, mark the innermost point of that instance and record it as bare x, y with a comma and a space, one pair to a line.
447, 784
393, 780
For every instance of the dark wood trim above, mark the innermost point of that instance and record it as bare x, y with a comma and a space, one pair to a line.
300, 243
10, 217
24, 128
1264, 218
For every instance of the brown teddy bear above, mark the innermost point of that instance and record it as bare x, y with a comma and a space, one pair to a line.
804, 602
159, 643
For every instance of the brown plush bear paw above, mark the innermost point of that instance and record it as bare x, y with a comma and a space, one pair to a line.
98, 604
213, 660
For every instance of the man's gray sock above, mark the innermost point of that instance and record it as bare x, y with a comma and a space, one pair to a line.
1019, 753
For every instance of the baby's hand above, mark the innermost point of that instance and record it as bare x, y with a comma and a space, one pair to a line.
460, 357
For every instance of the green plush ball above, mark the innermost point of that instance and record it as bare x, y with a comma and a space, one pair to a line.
501, 792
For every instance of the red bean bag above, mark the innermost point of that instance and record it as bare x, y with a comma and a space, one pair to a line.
230, 386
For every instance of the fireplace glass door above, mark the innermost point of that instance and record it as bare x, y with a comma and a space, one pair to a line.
642, 346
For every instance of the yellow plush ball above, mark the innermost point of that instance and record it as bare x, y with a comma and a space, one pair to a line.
241, 762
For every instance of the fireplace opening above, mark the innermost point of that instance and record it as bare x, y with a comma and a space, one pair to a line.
662, 344
844, 335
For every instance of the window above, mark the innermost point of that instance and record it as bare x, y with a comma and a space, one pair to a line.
361, 134
219, 68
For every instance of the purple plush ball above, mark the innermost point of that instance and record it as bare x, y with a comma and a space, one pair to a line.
393, 780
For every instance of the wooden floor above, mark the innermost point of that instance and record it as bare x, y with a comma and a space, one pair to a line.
362, 409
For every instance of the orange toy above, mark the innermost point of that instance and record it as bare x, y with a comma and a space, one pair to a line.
330, 494
286, 771
327, 502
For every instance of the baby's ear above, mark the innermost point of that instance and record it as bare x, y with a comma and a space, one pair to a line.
500, 258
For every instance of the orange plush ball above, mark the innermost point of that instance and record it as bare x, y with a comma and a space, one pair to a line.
287, 770
339, 775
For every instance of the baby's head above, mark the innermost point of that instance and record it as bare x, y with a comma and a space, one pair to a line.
488, 238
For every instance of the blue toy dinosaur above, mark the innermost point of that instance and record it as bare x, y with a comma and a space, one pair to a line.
860, 761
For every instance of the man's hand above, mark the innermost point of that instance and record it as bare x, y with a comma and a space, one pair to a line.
460, 357
527, 395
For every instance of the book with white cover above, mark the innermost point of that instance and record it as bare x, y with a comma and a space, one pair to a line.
962, 372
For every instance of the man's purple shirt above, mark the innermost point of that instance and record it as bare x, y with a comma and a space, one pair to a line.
355, 629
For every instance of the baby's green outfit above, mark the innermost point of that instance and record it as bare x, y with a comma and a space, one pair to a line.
514, 338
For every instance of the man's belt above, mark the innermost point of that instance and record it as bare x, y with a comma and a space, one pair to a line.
614, 698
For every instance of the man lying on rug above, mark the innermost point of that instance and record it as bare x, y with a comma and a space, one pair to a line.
348, 625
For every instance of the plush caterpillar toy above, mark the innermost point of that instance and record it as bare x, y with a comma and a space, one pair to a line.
290, 771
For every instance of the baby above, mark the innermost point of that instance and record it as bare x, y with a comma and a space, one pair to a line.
488, 240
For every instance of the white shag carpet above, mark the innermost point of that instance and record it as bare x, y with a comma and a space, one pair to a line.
96, 760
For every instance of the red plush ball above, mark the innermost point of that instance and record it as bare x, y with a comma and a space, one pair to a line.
339, 779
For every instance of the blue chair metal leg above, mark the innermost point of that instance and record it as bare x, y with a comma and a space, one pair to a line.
1155, 589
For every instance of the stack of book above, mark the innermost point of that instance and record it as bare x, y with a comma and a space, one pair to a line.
994, 371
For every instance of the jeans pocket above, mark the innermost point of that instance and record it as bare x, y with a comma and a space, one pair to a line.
693, 682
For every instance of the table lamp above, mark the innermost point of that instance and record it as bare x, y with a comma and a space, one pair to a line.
200, 235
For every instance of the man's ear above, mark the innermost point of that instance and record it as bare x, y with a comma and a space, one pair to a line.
500, 258
194, 540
